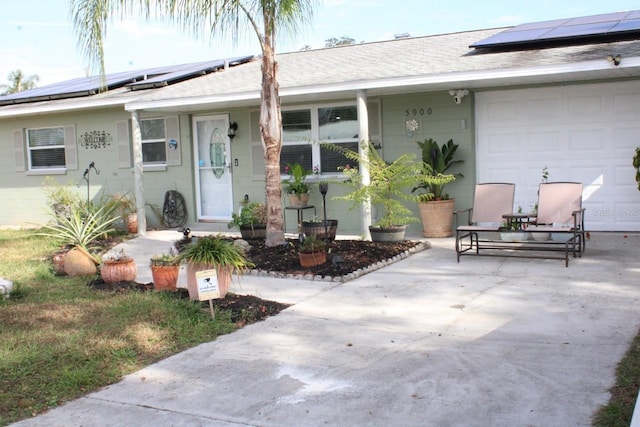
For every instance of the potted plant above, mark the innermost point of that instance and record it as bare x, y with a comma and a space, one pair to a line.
325, 230
117, 267
213, 252
296, 188
512, 232
164, 270
252, 221
436, 207
126, 205
311, 252
84, 225
390, 184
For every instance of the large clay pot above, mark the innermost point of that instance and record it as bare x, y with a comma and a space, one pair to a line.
79, 263
298, 200
437, 217
165, 277
312, 259
119, 271
388, 234
58, 263
223, 275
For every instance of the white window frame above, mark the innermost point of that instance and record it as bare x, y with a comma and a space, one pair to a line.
33, 168
155, 141
315, 135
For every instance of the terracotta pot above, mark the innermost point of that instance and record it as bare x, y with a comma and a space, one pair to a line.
298, 200
132, 223
312, 259
388, 234
79, 263
165, 277
437, 217
119, 271
223, 275
58, 263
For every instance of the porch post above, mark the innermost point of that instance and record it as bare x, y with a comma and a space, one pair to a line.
137, 172
363, 150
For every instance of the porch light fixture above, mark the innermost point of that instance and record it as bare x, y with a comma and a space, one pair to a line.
615, 59
233, 127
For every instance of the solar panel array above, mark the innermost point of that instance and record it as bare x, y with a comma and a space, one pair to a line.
138, 79
607, 26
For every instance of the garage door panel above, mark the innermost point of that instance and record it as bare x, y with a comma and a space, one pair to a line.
625, 105
541, 109
583, 140
626, 139
590, 137
585, 108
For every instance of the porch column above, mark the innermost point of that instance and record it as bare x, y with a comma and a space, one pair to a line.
137, 172
363, 150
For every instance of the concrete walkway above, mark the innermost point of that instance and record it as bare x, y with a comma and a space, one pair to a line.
423, 342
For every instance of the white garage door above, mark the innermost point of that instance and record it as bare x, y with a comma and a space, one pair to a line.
585, 133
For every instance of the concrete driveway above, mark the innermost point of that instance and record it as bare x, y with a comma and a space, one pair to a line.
425, 341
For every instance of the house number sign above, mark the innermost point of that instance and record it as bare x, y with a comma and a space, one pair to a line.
419, 111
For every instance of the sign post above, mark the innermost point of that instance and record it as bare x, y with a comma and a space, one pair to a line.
207, 284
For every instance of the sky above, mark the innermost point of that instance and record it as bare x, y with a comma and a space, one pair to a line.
37, 36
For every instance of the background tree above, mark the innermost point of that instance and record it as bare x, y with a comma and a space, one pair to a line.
18, 82
342, 41
227, 18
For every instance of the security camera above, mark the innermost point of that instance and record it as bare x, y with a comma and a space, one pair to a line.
458, 95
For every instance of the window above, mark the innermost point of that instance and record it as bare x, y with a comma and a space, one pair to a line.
153, 141
304, 127
46, 148
335, 124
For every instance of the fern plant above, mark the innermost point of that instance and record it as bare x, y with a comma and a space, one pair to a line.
390, 183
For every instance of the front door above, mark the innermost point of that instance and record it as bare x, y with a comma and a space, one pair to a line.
214, 197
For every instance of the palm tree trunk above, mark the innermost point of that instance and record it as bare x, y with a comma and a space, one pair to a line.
271, 130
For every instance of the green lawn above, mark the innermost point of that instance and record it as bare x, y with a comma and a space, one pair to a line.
60, 339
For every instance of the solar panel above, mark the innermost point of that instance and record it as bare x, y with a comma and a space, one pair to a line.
137, 79
609, 27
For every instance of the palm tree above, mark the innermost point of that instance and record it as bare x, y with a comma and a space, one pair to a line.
18, 82
225, 18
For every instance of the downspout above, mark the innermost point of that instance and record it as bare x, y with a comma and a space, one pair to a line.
363, 151
137, 172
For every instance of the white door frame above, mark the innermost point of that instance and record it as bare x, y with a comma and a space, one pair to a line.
214, 197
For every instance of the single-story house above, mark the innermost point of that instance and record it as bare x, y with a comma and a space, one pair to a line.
560, 94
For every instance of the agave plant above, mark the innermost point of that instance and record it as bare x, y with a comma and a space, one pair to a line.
82, 226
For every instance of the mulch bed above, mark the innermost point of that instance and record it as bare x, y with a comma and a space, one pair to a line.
344, 257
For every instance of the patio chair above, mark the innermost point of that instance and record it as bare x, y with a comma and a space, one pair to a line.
560, 213
491, 201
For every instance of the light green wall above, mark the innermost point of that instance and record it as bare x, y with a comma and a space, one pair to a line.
438, 117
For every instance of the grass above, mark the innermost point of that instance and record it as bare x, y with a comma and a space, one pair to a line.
60, 339
619, 411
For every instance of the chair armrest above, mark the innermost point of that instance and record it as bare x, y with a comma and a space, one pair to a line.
462, 211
